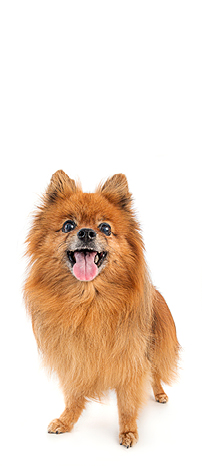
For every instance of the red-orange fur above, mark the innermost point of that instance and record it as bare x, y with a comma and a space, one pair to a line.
114, 332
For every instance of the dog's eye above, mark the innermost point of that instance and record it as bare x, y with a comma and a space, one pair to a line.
105, 228
68, 226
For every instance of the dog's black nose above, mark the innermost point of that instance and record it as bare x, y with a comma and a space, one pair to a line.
86, 234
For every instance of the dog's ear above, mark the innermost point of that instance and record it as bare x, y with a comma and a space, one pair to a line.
60, 185
115, 189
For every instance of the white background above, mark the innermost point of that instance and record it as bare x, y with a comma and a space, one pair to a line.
97, 88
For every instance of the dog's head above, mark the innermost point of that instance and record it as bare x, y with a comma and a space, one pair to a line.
87, 234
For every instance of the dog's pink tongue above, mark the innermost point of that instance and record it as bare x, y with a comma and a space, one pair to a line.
85, 268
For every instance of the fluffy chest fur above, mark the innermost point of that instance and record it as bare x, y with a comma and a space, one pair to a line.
93, 344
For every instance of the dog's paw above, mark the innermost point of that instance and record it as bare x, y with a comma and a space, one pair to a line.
57, 427
128, 439
161, 398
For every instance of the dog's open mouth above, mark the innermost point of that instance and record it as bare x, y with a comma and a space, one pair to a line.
86, 263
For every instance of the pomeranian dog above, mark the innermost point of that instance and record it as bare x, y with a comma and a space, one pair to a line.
98, 320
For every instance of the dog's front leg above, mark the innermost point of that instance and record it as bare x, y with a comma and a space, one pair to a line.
68, 418
130, 398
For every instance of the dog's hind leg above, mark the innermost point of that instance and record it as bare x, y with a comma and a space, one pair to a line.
164, 352
158, 390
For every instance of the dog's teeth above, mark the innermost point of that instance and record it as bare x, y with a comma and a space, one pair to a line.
96, 259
